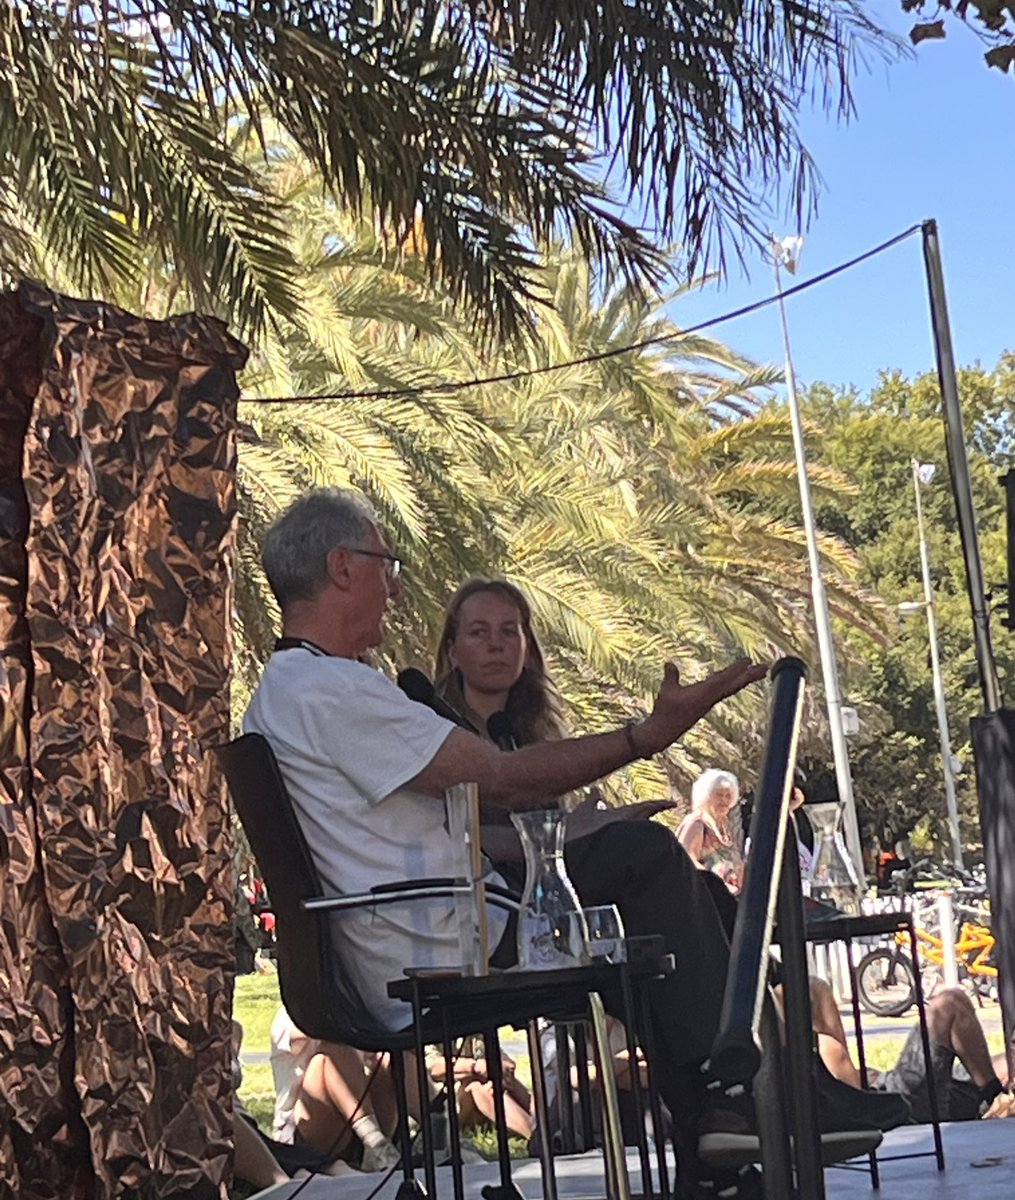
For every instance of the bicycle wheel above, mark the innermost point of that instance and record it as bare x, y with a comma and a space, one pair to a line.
885, 983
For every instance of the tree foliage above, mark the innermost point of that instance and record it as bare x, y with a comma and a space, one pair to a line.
472, 134
872, 439
992, 20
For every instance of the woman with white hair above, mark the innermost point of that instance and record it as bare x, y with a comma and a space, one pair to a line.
710, 833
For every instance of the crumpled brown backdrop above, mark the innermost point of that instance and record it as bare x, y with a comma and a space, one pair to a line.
117, 544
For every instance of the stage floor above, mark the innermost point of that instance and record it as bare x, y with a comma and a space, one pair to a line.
979, 1158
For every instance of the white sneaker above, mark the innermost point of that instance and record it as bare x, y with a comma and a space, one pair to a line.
381, 1157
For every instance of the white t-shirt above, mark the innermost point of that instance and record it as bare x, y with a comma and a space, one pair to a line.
291, 1052
347, 740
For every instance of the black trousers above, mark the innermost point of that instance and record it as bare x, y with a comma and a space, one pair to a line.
641, 868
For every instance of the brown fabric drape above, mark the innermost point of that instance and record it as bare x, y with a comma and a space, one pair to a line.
117, 545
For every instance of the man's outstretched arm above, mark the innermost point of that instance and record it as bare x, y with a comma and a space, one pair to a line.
534, 775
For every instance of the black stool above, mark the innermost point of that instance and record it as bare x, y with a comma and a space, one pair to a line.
567, 995
847, 929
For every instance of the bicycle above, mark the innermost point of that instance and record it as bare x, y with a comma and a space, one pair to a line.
886, 986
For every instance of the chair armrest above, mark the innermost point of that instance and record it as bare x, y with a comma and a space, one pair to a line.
404, 891
401, 894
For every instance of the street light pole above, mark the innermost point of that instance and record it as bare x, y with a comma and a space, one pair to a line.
935, 666
786, 251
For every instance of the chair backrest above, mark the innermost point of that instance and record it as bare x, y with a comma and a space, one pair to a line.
316, 994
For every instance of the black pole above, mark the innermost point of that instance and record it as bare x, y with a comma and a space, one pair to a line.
1007, 481
994, 753
736, 1051
958, 467
994, 732
800, 1057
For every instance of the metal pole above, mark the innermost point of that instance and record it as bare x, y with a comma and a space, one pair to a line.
826, 645
946, 924
958, 467
939, 688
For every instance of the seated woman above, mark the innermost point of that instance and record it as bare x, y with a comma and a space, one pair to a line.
489, 663
707, 833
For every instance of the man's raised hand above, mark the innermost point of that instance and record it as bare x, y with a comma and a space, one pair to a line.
678, 707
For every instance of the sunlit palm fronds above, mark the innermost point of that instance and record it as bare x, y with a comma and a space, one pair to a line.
477, 134
110, 166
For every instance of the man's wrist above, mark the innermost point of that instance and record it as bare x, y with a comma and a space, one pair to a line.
635, 739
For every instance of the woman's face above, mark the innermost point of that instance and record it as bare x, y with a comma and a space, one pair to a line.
489, 647
722, 798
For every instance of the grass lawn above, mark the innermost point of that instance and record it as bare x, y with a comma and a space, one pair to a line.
254, 1006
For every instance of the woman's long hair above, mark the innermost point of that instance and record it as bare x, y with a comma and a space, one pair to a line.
534, 703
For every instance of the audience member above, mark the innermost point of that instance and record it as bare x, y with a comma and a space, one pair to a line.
474, 1091
631, 1114
332, 1098
955, 1034
708, 832
258, 1160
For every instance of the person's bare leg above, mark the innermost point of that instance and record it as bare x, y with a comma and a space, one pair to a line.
480, 1096
326, 1101
828, 1028
382, 1094
253, 1161
335, 1092
953, 1022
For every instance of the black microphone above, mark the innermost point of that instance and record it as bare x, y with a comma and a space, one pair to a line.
417, 687
500, 729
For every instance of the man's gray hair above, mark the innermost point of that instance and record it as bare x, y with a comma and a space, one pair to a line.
297, 545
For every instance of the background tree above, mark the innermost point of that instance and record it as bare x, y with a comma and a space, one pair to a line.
896, 758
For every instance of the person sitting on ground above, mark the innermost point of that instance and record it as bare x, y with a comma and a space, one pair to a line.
474, 1090
955, 1033
332, 1098
631, 1114
707, 833
367, 769
258, 1160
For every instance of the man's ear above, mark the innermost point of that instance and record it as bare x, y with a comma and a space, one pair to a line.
338, 567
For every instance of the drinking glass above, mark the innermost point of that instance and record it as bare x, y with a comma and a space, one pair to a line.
606, 934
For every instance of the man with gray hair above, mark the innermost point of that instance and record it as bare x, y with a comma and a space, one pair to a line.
367, 769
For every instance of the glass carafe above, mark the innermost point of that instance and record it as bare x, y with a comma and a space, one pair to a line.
832, 875
551, 927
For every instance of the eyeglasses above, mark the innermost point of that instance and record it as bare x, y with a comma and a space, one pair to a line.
393, 561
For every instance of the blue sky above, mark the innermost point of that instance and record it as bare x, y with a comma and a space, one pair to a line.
933, 136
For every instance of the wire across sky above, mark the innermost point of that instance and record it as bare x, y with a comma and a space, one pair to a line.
510, 376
